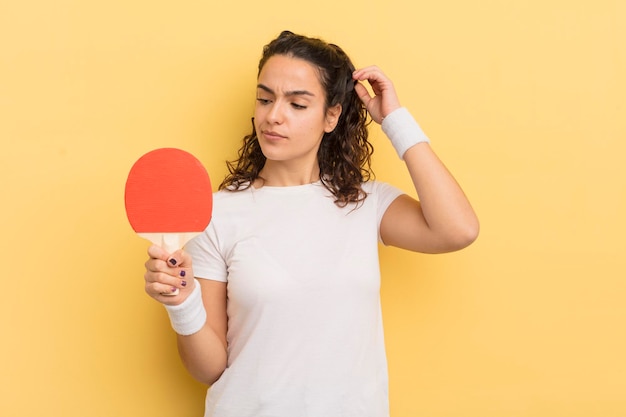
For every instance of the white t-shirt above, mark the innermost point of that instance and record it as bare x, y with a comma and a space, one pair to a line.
305, 334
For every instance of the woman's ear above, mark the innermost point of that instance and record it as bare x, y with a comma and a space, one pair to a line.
332, 117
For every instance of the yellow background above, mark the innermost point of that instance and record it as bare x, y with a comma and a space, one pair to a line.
523, 100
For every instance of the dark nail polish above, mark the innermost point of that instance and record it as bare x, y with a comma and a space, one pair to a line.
174, 289
183, 283
173, 261
183, 273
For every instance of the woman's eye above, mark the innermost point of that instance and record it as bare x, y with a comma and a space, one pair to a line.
298, 106
262, 100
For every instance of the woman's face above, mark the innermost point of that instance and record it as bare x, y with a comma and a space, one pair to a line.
290, 117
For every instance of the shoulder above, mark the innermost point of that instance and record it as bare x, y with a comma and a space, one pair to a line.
378, 188
380, 195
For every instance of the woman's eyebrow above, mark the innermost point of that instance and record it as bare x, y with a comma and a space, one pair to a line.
288, 93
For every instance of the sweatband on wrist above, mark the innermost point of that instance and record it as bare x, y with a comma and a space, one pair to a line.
403, 131
188, 317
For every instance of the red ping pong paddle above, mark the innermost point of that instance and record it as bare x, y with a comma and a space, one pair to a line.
168, 198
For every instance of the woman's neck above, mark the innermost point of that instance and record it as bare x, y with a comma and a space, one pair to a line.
276, 174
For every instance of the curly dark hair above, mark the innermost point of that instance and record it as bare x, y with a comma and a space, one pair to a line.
344, 156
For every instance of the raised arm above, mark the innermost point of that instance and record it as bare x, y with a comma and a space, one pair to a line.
197, 313
443, 219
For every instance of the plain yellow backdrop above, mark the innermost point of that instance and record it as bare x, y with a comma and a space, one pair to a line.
523, 100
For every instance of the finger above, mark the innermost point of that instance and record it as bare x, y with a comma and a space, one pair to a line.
160, 277
376, 79
171, 298
156, 265
360, 72
372, 74
161, 271
157, 252
180, 259
166, 288
363, 94
180, 280
158, 290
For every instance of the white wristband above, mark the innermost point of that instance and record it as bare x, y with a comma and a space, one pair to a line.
403, 131
189, 316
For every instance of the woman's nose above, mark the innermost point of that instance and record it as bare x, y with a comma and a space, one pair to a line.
275, 114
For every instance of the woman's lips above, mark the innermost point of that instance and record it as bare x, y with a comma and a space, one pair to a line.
270, 135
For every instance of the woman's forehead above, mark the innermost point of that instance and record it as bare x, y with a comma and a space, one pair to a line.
290, 74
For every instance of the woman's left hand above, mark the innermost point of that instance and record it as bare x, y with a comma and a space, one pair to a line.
384, 101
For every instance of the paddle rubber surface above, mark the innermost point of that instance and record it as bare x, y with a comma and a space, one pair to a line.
168, 190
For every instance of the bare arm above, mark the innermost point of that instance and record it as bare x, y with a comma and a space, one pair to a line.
443, 219
204, 353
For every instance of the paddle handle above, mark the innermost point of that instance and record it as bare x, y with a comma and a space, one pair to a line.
170, 242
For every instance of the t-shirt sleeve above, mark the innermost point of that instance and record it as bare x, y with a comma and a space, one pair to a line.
384, 194
208, 262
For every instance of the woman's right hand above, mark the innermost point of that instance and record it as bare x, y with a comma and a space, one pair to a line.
385, 99
166, 273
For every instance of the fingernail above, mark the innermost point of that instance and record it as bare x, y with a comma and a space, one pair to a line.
173, 261
183, 283
174, 289
182, 273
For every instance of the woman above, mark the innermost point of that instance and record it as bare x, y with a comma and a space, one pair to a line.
284, 319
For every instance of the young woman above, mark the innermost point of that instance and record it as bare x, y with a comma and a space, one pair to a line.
283, 318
